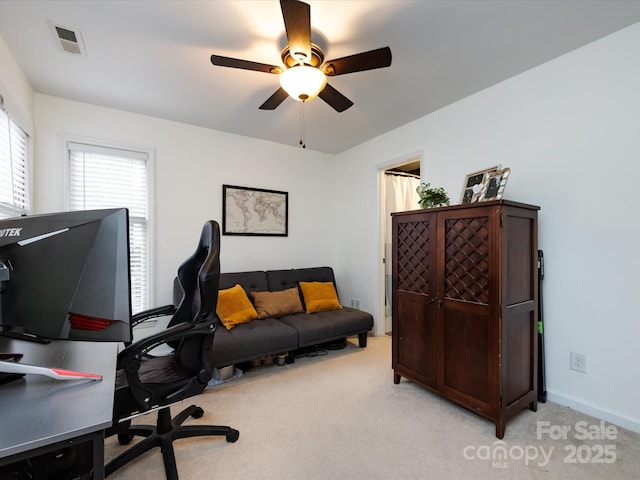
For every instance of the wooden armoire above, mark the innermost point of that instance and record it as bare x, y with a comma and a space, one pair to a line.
465, 305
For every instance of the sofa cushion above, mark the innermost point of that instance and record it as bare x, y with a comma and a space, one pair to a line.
322, 327
252, 340
283, 279
234, 307
277, 304
319, 296
255, 281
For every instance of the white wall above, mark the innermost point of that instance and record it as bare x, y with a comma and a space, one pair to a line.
191, 165
15, 89
570, 131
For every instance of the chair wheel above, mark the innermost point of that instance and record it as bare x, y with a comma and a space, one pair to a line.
197, 413
124, 438
232, 435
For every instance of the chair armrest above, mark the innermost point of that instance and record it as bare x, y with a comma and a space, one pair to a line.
129, 359
163, 311
177, 332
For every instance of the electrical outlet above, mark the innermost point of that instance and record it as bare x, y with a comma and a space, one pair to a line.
355, 303
578, 362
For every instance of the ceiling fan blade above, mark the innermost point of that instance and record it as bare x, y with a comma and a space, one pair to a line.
335, 99
244, 64
297, 23
274, 100
359, 62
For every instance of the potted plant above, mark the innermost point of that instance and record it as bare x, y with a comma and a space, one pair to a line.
431, 197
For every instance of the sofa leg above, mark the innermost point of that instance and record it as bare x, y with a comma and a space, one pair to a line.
291, 358
362, 339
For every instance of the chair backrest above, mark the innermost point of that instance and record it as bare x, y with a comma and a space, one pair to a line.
199, 278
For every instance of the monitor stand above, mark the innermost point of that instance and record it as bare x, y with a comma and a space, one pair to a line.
10, 370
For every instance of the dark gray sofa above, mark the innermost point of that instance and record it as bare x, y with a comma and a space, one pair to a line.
271, 336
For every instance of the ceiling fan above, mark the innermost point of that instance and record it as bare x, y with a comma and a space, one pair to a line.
305, 72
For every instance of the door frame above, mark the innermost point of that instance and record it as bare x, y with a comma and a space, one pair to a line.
379, 327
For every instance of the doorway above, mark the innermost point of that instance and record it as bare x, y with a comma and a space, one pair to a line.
398, 194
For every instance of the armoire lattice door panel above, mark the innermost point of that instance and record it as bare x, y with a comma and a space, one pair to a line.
413, 257
467, 259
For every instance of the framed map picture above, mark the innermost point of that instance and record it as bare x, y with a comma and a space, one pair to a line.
254, 211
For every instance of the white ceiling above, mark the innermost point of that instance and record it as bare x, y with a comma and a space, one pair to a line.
152, 56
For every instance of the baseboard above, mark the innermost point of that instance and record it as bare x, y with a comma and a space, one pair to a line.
597, 411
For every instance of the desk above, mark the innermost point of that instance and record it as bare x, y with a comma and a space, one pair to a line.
40, 415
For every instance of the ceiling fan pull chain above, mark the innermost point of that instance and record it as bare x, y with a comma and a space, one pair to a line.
302, 142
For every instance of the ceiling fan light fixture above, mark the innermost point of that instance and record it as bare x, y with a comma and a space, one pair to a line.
302, 82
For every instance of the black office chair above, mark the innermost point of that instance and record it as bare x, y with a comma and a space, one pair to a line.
146, 383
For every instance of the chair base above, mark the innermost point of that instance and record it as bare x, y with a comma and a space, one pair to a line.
163, 434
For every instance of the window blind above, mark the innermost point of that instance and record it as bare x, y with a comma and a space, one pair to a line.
102, 177
14, 182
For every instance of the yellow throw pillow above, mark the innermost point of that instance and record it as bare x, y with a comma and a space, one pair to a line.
277, 304
320, 296
234, 307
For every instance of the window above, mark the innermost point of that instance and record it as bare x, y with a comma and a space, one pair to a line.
14, 183
105, 177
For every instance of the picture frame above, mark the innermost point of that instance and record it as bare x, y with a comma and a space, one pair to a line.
495, 185
474, 184
252, 211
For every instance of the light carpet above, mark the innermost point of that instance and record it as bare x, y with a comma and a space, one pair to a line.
340, 416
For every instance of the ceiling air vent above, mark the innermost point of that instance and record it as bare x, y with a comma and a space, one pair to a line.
69, 40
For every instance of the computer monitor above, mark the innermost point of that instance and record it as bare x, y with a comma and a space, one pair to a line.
66, 276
